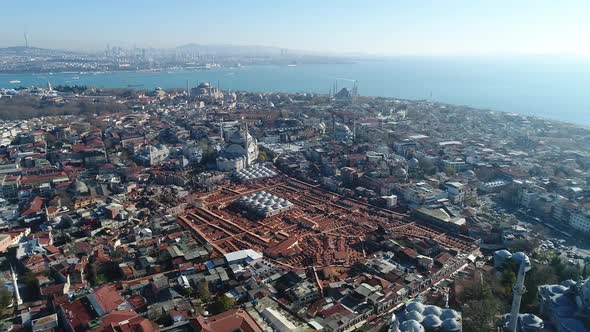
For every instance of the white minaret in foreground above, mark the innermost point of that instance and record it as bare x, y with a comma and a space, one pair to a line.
518, 290
17, 298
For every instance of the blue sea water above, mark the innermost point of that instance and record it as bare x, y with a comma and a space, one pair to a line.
550, 87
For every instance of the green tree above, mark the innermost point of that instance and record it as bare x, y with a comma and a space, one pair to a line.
538, 275
480, 307
204, 293
222, 303
32, 284
569, 271
476, 292
480, 315
91, 274
450, 171
526, 246
5, 297
262, 156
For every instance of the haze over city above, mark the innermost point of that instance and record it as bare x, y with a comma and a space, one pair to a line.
382, 27
294, 166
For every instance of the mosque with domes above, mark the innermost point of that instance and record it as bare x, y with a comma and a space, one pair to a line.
240, 151
566, 305
205, 91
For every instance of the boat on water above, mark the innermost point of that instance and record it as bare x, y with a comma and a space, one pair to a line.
134, 85
14, 82
292, 65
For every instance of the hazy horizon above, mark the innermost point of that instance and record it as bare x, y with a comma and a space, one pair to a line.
379, 28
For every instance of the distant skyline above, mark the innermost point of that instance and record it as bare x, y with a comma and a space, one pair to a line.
380, 27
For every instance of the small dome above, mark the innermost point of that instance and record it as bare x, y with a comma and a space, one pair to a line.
557, 289
401, 172
414, 315
531, 321
503, 253
470, 173
415, 306
411, 326
519, 256
80, 187
450, 325
450, 313
568, 283
432, 310
431, 322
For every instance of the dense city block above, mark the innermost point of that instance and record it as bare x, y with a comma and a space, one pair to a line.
205, 209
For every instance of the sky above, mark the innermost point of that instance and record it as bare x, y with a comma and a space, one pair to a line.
376, 27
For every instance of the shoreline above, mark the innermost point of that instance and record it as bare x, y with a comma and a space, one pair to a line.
550, 98
433, 102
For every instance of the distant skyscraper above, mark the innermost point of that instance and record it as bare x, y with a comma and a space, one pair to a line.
26, 40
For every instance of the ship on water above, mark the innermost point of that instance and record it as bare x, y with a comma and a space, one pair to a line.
14, 82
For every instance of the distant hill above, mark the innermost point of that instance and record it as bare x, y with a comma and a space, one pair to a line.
231, 49
22, 50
